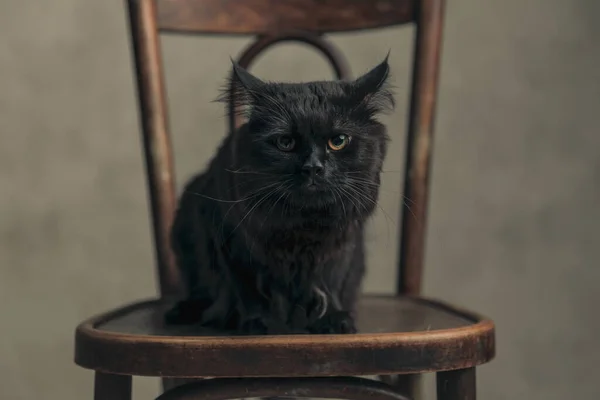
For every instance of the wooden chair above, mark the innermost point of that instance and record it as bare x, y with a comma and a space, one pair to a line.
401, 336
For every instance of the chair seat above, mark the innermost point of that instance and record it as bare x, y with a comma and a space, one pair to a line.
396, 335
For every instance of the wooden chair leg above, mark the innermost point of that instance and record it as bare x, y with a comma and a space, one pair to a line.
409, 385
112, 387
170, 383
456, 385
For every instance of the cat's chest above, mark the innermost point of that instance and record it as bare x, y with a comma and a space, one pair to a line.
306, 250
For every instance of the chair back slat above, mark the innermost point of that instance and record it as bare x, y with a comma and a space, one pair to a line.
155, 138
419, 145
261, 17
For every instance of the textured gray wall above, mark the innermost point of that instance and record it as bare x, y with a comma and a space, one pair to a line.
516, 184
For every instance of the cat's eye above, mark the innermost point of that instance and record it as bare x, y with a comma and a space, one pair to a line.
285, 143
338, 142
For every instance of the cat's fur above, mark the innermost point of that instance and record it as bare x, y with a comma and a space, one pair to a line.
271, 241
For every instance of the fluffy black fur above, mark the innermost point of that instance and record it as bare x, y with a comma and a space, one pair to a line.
270, 237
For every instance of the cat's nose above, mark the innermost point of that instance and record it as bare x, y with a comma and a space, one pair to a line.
312, 168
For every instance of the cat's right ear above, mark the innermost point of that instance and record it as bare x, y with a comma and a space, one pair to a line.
248, 81
242, 89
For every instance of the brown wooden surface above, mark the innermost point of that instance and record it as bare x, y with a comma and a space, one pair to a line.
332, 388
112, 387
419, 146
456, 385
155, 137
271, 16
398, 335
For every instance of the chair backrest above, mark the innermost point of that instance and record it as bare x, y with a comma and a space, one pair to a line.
273, 21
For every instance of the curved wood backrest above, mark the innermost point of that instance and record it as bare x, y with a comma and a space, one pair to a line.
273, 21
260, 17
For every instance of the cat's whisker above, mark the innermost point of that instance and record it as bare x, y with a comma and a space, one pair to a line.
247, 182
283, 193
369, 182
242, 171
253, 179
388, 218
250, 196
376, 185
254, 195
358, 196
383, 171
254, 207
222, 227
357, 189
215, 199
363, 181
336, 191
251, 209
286, 205
405, 199
358, 204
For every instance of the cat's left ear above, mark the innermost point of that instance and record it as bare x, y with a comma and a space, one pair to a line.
372, 89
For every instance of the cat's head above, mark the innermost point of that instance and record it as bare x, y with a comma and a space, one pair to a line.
316, 146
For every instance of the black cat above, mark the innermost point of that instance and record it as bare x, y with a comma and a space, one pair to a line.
270, 237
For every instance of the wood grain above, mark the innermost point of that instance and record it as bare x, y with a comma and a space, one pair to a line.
419, 145
394, 343
156, 139
259, 17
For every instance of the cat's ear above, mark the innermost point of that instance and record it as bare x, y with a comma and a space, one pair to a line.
242, 89
372, 89
373, 80
248, 81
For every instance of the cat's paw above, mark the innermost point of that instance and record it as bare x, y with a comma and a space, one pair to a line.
264, 326
185, 312
253, 326
298, 320
337, 322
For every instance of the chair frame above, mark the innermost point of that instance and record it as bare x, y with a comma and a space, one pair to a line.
295, 20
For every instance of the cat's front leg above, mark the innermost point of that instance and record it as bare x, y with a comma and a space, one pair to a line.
334, 322
330, 318
262, 323
188, 311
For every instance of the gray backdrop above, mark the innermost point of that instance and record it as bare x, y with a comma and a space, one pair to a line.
516, 182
